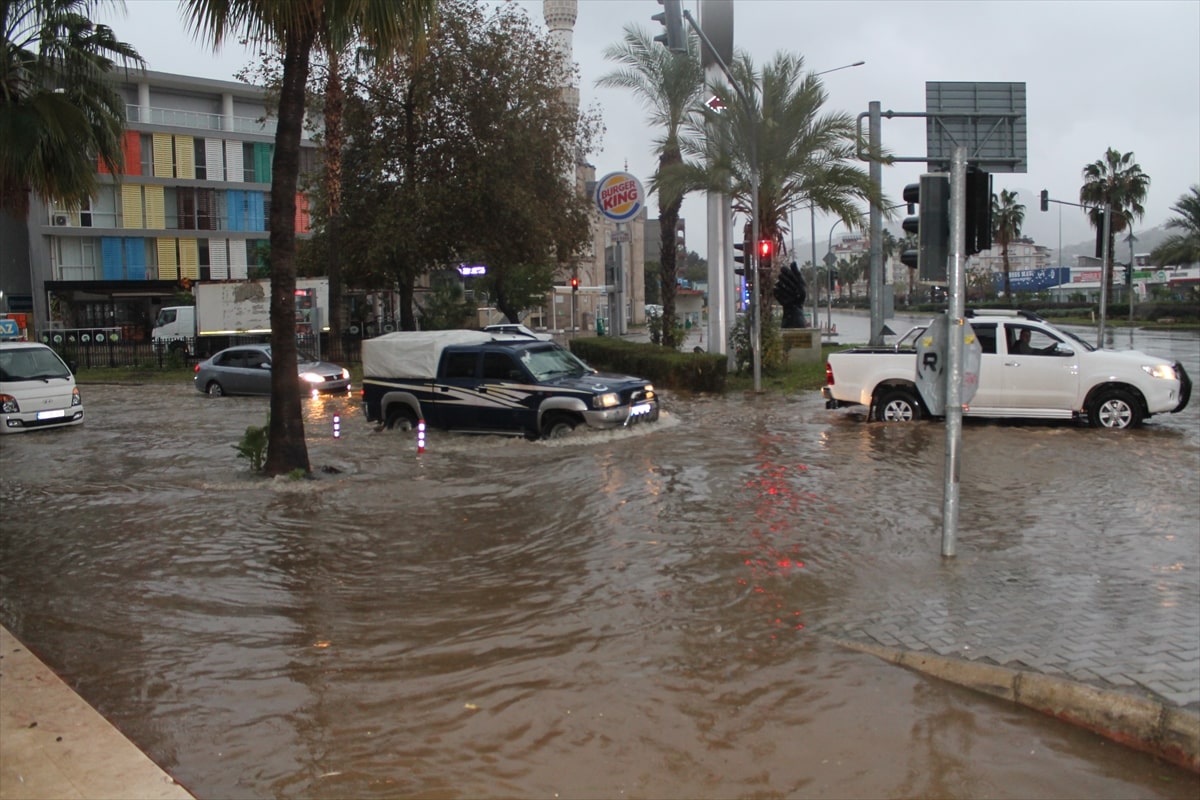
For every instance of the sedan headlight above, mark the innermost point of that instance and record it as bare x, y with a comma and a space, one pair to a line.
312, 377
345, 374
1164, 371
606, 400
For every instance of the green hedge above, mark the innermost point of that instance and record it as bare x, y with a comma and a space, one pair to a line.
665, 368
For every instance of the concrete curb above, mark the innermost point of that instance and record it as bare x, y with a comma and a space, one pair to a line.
1170, 733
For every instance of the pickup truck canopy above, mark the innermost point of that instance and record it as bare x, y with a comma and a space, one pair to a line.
412, 354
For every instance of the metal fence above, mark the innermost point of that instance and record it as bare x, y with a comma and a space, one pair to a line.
106, 347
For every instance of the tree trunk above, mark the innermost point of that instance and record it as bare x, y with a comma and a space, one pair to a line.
334, 100
668, 220
286, 449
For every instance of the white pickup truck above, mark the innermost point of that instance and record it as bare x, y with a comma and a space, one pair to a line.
1052, 374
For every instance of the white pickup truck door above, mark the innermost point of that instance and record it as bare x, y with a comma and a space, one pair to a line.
1047, 378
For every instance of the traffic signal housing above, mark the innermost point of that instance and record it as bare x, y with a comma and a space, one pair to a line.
1045, 200
671, 18
979, 211
931, 226
739, 258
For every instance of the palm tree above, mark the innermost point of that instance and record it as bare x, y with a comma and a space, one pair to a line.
1118, 181
803, 156
295, 27
670, 86
1007, 218
60, 114
1182, 248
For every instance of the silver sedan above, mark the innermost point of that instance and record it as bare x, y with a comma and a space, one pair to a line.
246, 369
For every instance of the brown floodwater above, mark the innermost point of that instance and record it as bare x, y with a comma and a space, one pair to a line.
632, 614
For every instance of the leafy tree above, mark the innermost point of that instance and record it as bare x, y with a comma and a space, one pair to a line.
1116, 180
446, 306
1007, 218
295, 27
1182, 248
61, 114
804, 156
670, 85
472, 150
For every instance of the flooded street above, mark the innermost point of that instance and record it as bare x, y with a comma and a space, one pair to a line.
645, 614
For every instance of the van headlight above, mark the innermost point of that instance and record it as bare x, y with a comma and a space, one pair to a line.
1164, 371
606, 400
9, 404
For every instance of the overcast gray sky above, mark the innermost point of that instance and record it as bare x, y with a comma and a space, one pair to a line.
1098, 74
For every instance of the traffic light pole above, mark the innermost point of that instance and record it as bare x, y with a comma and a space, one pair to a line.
755, 322
1105, 258
954, 347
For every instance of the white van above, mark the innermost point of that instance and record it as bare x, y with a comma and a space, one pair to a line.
175, 326
37, 389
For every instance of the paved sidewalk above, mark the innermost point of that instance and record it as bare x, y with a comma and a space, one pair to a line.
55, 746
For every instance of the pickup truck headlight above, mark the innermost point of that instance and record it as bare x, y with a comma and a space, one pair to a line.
1164, 371
606, 400
9, 404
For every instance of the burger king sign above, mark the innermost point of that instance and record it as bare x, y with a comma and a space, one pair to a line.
619, 196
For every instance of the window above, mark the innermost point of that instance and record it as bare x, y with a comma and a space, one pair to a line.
986, 334
500, 367
459, 365
201, 159
147, 155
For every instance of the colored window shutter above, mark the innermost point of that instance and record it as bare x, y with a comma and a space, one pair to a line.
303, 217
255, 220
237, 260
214, 158
168, 264
189, 259
235, 202
132, 145
110, 256
131, 206
156, 214
234, 171
164, 156
135, 259
263, 154
218, 259
185, 157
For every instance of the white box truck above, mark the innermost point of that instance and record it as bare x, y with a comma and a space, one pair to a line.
227, 309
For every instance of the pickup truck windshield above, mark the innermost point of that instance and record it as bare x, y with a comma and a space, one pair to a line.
547, 363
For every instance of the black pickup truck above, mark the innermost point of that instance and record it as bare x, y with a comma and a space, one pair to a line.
478, 382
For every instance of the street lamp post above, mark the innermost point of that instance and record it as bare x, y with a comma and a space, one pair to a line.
829, 262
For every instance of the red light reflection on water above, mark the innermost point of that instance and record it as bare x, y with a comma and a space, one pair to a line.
776, 502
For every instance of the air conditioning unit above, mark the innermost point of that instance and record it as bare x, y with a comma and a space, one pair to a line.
60, 219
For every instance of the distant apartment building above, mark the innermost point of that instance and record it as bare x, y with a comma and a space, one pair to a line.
192, 203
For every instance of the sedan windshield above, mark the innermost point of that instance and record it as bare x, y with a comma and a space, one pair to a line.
551, 362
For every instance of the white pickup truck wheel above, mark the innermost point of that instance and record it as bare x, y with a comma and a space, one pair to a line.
1114, 408
897, 405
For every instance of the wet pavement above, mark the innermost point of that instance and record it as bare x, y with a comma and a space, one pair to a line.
664, 612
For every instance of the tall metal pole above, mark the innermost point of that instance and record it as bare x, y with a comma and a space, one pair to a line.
816, 290
954, 347
875, 283
1104, 273
1129, 277
829, 281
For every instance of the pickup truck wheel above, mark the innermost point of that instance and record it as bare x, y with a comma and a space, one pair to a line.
1114, 408
897, 405
556, 426
401, 418
214, 388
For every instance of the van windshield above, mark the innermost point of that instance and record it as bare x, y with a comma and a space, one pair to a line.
31, 364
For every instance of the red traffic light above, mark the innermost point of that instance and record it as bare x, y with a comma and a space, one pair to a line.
764, 248
574, 283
